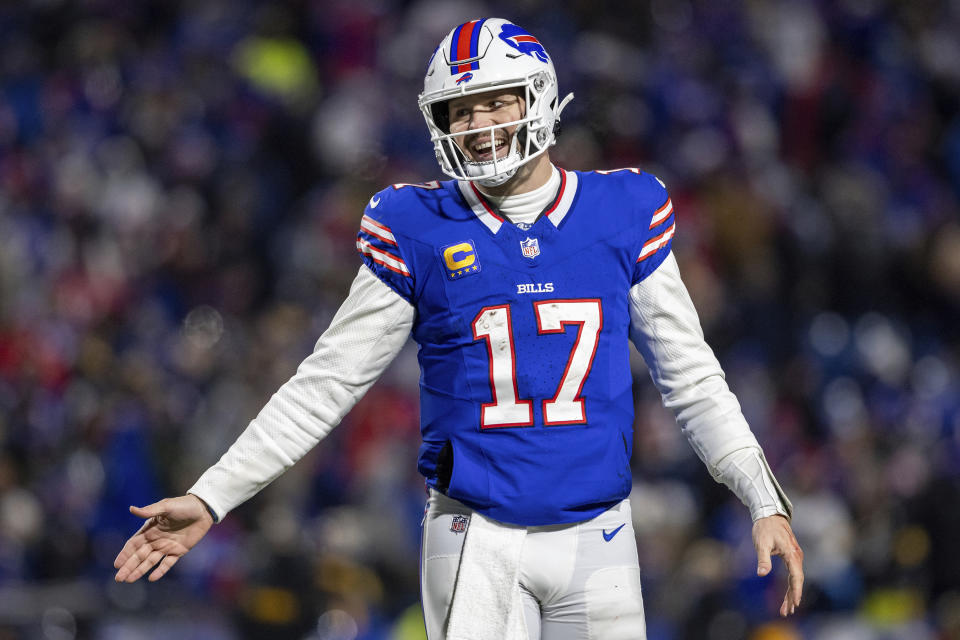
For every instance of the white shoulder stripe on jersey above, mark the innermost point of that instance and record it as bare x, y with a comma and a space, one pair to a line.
657, 243
388, 260
377, 230
662, 214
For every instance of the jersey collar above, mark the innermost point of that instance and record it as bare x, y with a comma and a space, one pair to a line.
486, 213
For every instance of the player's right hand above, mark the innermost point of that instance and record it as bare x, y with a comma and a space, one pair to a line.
173, 526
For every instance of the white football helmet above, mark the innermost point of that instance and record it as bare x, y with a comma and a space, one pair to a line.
486, 55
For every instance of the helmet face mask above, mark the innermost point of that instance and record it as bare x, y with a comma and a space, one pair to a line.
482, 56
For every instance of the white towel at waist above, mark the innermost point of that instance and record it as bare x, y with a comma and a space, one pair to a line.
486, 599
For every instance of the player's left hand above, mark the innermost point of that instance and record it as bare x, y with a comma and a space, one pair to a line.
773, 536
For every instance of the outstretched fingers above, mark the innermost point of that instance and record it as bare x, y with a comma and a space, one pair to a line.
172, 527
134, 553
165, 565
151, 560
139, 547
129, 552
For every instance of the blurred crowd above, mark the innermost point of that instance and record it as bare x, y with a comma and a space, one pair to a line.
180, 188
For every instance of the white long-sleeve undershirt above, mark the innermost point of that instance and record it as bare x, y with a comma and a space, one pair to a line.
665, 328
372, 326
364, 337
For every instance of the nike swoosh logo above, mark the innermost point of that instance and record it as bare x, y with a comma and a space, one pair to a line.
609, 536
374, 202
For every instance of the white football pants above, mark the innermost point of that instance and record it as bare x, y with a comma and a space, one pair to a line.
579, 581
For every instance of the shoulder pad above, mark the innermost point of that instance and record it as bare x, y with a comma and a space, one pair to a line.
401, 197
645, 190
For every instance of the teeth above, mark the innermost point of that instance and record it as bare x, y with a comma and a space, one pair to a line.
483, 147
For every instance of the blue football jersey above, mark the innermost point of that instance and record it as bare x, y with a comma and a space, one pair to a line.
525, 387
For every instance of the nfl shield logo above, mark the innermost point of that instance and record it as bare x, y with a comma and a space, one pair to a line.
530, 247
459, 524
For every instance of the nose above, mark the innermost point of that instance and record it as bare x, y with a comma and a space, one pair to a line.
480, 118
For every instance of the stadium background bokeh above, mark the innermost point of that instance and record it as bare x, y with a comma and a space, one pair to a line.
180, 188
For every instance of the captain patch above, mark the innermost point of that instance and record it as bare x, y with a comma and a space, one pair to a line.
460, 259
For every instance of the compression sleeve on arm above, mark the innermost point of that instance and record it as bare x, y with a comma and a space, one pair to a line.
365, 335
666, 330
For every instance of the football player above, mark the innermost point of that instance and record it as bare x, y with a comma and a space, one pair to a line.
523, 284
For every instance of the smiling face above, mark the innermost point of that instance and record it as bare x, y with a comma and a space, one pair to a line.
477, 113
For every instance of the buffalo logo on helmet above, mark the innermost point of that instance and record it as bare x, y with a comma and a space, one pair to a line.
467, 77
522, 41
